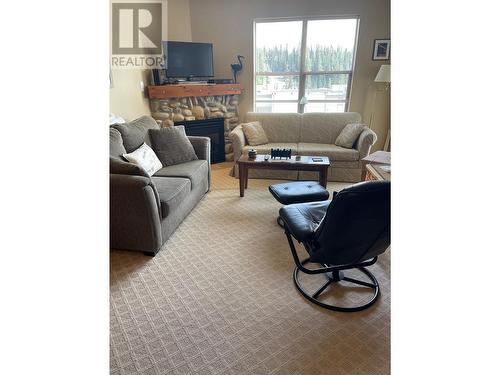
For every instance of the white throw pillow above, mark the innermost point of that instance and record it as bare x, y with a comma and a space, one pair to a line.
145, 157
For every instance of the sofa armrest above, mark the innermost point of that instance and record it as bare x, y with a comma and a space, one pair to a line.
134, 214
201, 147
238, 140
366, 140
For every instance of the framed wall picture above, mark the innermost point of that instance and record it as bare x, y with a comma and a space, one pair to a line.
381, 49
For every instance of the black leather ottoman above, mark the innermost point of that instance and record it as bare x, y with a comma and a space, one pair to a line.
299, 192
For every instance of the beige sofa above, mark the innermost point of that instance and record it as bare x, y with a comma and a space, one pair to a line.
310, 134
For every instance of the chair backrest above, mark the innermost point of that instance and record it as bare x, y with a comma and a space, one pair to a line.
356, 226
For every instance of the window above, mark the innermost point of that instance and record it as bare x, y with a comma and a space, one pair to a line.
304, 65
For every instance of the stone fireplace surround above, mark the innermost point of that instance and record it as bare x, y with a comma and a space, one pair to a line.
167, 110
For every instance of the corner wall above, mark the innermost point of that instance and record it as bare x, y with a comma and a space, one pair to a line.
125, 97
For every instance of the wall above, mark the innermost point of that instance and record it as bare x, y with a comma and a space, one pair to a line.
378, 104
228, 24
125, 97
179, 20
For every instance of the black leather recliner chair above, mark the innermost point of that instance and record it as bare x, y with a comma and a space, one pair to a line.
349, 232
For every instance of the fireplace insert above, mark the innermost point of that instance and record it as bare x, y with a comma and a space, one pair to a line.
212, 128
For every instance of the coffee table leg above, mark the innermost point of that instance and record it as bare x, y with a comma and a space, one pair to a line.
242, 179
246, 178
363, 171
323, 176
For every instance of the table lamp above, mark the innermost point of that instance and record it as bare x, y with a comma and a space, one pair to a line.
384, 75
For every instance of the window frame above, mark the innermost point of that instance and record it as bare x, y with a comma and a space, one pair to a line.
302, 74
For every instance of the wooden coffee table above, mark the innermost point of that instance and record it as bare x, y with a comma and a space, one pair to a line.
305, 163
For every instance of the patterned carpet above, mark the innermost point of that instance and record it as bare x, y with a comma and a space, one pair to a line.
219, 299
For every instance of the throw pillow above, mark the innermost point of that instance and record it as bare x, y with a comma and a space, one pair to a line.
254, 133
134, 133
145, 157
117, 166
349, 135
172, 145
116, 148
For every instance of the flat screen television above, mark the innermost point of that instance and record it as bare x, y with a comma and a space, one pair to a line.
188, 59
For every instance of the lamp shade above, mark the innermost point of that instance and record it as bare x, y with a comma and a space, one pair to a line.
384, 74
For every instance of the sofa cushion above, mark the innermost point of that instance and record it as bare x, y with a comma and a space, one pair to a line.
172, 145
266, 149
171, 191
279, 127
325, 127
195, 170
116, 148
145, 157
135, 133
254, 133
349, 135
335, 153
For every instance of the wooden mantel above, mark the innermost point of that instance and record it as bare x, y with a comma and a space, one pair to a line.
172, 91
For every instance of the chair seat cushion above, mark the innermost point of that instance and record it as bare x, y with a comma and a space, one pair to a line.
171, 191
303, 218
195, 170
299, 192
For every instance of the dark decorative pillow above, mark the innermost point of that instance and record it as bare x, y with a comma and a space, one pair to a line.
172, 146
134, 133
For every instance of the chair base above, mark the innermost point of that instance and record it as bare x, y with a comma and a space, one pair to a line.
335, 277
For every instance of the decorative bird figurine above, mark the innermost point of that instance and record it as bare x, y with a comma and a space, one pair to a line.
237, 67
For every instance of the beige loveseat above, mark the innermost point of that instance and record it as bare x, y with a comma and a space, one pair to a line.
312, 134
